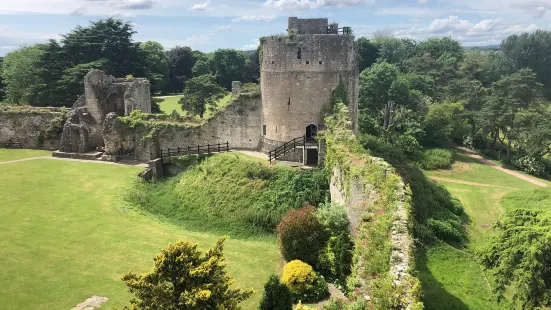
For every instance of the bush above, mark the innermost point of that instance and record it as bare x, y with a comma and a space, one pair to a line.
530, 165
436, 159
301, 235
277, 295
301, 307
335, 260
334, 218
303, 282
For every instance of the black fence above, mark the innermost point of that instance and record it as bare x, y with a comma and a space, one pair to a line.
286, 147
195, 150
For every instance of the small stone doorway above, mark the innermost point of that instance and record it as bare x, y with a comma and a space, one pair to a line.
311, 157
311, 131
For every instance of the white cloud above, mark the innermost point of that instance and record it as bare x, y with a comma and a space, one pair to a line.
78, 11
223, 28
249, 18
200, 7
136, 4
422, 1
540, 11
122, 15
304, 5
252, 46
451, 23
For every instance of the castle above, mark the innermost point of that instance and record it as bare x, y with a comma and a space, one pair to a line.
300, 72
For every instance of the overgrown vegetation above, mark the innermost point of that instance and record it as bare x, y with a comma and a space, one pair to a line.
433, 159
231, 193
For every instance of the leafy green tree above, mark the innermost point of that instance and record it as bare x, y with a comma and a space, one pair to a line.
20, 74
444, 121
200, 91
277, 295
395, 51
228, 65
527, 51
181, 60
520, 258
2, 85
202, 66
252, 67
156, 64
368, 53
186, 278
437, 47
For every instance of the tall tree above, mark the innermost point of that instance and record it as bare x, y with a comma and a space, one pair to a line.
228, 65
368, 53
203, 66
156, 63
2, 85
531, 50
19, 73
180, 60
395, 50
252, 67
200, 91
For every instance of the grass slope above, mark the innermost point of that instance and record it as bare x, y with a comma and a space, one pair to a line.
231, 193
452, 278
13, 154
64, 237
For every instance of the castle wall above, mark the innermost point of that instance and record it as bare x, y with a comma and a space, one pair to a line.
28, 128
238, 124
297, 91
309, 25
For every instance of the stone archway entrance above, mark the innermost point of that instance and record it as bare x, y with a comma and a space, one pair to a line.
311, 131
114, 103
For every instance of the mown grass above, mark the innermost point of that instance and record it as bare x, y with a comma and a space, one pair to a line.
452, 277
13, 154
231, 193
171, 103
65, 237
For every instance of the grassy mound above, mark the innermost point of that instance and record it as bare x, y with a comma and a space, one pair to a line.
231, 193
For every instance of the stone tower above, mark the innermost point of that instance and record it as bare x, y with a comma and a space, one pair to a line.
299, 73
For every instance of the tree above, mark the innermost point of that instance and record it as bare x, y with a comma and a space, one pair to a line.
203, 66
2, 85
20, 73
444, 121
520, 257
252, 67
200, 91
368, 53
276, 295
156, 63
394, 50
180, 60
228, 65
185, 278
437, 47
527, 51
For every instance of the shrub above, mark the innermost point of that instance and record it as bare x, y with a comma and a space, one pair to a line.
301, 235
303, 282
334, 218
184, 277
436, 159
277, 295
530, 165
302, 307
335, 260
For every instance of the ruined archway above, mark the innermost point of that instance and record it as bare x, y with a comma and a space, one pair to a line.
311, 131
114, 103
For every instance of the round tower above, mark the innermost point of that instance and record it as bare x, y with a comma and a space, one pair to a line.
299, 74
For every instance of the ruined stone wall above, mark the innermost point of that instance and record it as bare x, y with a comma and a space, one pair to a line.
308, 25
238, 124
28, 128
297, 91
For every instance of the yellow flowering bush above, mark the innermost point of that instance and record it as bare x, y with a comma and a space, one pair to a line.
299, 277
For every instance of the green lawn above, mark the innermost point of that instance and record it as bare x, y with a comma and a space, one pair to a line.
13, 154
171, 103
453, 278
65, 237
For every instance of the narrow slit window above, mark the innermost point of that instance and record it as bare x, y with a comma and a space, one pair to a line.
321, 62
307, 62
276, 129
299, 53
289, 104
263, 130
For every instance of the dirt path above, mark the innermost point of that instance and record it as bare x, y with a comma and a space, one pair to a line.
467, 182
128, 163
485, 161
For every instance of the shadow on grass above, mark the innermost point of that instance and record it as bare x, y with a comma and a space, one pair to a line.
435, 296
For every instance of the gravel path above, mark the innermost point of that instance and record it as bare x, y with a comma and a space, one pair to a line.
482, 160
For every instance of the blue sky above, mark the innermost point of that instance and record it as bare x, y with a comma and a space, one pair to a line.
210, 24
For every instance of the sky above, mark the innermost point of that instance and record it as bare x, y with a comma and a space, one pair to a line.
207, 25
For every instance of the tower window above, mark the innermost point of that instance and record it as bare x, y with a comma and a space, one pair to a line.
299, 53
272, 62
289, 104
307, 62
263, 130
321, 62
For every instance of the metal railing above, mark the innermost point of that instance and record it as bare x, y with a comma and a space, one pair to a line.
195, 150
286, 147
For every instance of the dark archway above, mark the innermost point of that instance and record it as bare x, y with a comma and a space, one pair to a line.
311, 131
114, 103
